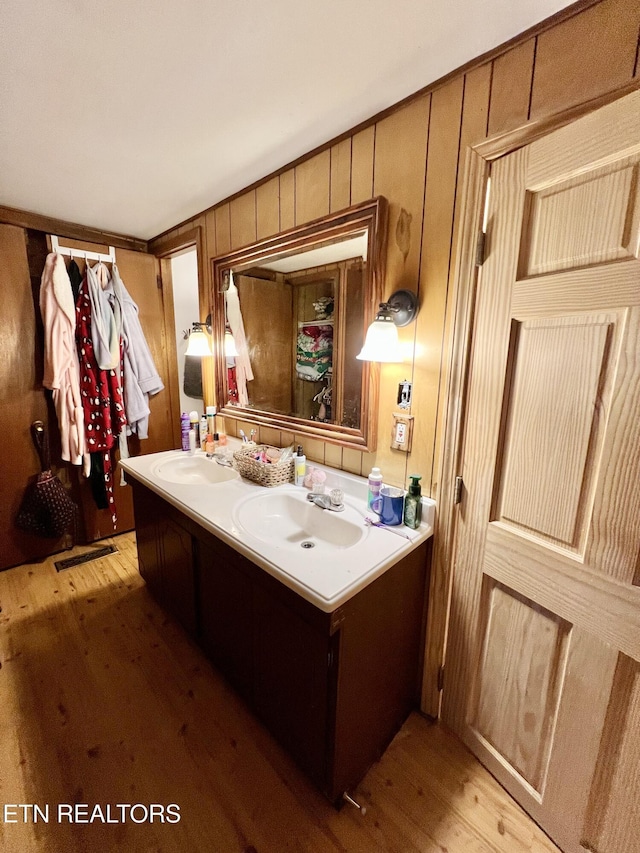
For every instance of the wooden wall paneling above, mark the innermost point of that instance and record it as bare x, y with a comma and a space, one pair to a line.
437, 230
223, 229
340, 196
362, 155
268, 208
242, 215
313, 179
287, 199
268, 435
401, 154
475, 110
333, 456
352, 461
22, 398
313, 448
511, 82
210, 238
591, 53
461, 306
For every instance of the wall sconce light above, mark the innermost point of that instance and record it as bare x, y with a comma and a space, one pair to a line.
198, 341
381, 342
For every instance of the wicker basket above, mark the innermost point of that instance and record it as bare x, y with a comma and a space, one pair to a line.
266, 473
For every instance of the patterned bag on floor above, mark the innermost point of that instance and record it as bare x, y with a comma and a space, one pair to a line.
46, 508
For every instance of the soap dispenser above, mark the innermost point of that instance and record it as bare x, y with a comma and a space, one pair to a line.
413, 503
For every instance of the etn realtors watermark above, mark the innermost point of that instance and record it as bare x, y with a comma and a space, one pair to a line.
90, 813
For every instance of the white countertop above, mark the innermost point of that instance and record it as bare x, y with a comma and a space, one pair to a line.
325, 577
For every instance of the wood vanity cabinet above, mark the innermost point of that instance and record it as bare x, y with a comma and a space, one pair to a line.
333, 688
166, 557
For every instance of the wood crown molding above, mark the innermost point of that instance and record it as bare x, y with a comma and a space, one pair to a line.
50, 225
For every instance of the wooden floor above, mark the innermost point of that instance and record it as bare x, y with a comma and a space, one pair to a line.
103, 700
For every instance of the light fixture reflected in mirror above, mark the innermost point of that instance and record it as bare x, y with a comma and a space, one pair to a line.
230, 348
381, 343
199, 340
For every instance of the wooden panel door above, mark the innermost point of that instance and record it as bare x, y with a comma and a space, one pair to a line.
21, 397
543, 662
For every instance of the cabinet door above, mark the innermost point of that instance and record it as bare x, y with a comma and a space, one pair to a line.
148, 512
291, 683
225, 612
178, 587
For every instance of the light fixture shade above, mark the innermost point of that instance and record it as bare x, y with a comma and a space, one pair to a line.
381, 342
198, 344
230, 348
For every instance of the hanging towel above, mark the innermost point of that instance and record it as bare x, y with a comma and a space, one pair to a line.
61, 368
104, 331
140, 377
192, 384
244, 373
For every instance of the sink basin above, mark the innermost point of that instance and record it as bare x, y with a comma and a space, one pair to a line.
287, 519
193, 471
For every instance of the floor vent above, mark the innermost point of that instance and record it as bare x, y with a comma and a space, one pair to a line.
87, 557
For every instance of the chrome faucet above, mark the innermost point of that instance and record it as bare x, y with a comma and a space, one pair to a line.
325, 502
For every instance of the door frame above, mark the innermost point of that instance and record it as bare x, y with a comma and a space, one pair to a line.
462, 306
193, 238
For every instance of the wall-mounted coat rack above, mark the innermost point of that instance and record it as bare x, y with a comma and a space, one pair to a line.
80, 253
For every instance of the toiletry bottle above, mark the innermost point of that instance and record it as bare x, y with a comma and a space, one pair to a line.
194, 423
192, 442
300, 466
209, 448
374, 484
185, 426
211, 419
203, 432
413, 503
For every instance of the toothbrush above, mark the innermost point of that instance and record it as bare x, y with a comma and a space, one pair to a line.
371, 523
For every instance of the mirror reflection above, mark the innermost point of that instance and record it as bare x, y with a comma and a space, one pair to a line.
297, 308
298, 321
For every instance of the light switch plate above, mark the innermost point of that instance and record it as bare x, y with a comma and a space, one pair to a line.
402, 432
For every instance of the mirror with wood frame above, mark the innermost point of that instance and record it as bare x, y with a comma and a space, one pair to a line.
296, 307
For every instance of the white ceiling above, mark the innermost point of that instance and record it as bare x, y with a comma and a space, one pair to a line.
132, 115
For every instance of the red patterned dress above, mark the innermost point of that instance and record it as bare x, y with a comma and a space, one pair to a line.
101, 394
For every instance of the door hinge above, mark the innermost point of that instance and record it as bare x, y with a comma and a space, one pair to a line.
159, 282
441, 677
457, 489
481, 246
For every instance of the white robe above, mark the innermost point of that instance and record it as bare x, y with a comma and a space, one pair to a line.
61, 368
